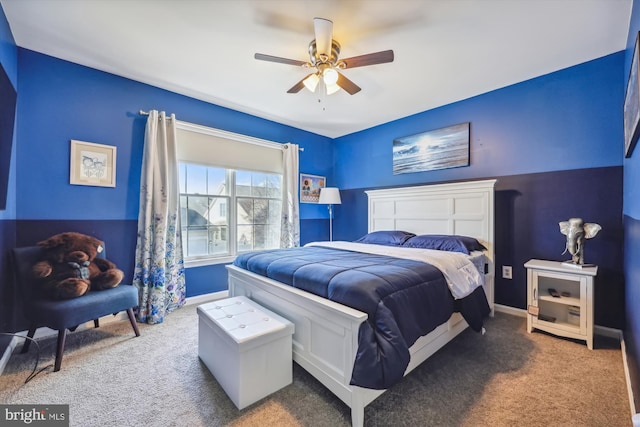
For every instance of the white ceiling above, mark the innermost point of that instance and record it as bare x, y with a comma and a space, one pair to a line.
445, 50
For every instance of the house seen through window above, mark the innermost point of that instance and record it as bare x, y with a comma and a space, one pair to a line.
226, 211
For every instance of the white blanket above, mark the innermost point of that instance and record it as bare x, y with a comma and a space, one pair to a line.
459, 271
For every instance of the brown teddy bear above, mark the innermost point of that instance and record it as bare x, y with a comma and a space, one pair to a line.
69, 267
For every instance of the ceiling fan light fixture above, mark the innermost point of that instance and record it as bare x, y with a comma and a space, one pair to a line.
311, 82
324, 53
329, 76
331, 88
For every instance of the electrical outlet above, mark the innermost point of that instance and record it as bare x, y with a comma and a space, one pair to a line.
506, 272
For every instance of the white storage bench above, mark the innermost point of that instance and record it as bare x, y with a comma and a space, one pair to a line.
246, 347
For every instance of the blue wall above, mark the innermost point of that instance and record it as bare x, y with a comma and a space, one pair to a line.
569, 119
553, 143
9, 61
631, 212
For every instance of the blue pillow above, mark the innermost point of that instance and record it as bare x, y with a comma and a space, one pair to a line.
439, 242
386, 237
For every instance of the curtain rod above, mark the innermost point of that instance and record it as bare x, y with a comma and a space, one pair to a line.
284, 147
145, 113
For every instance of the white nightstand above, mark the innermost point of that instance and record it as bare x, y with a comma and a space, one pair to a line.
571, 314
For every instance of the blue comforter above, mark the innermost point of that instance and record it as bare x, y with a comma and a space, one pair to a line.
404, 300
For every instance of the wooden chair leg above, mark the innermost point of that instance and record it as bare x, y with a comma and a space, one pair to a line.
62, 336
132, 319
96, 323
27, 341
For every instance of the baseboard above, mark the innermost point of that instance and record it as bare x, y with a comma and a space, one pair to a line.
7, 353
627, 377
605, 331
201, 299
510, 310
597, 329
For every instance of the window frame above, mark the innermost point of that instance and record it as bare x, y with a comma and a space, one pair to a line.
232, 219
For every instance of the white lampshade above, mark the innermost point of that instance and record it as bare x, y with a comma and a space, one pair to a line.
330, 76
331, 89
311, 82
329, 196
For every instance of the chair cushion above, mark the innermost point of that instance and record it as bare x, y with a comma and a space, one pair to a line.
75, 311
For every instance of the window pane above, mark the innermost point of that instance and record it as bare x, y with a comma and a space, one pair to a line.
204, 233
217, 181
273, 237
183, 212
245, 238
258, 184
264, 215
244, 211
260, 211
197, 211
243, 183
194, 208
185, 242
275, 208
274, 186
260, 237
218, 242
217, 213
196, 179
197, 241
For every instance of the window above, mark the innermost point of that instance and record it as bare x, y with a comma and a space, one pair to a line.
230, 193
226, 211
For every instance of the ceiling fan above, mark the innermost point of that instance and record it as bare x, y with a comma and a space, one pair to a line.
323, 56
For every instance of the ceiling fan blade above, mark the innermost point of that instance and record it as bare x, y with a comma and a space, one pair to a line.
368, 59
347, 85
324, 33
270, 58
298, 86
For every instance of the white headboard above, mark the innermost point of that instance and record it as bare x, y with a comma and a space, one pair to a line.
462, 208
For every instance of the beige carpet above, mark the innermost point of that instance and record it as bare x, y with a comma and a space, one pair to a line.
504, 378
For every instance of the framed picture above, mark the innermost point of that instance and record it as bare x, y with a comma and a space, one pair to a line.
92, 164
436, 149
632, 105
310, 186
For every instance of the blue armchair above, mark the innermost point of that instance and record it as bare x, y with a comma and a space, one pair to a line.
66, 314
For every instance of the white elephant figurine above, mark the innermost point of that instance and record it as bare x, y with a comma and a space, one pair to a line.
577, 231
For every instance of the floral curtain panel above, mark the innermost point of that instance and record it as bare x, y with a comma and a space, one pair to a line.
290, 222
159, 267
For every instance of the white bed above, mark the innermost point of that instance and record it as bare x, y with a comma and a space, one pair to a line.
326, 333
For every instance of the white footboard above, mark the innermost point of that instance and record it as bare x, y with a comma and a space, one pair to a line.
325, 340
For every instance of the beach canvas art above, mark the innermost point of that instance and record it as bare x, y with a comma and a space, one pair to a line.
437, 149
